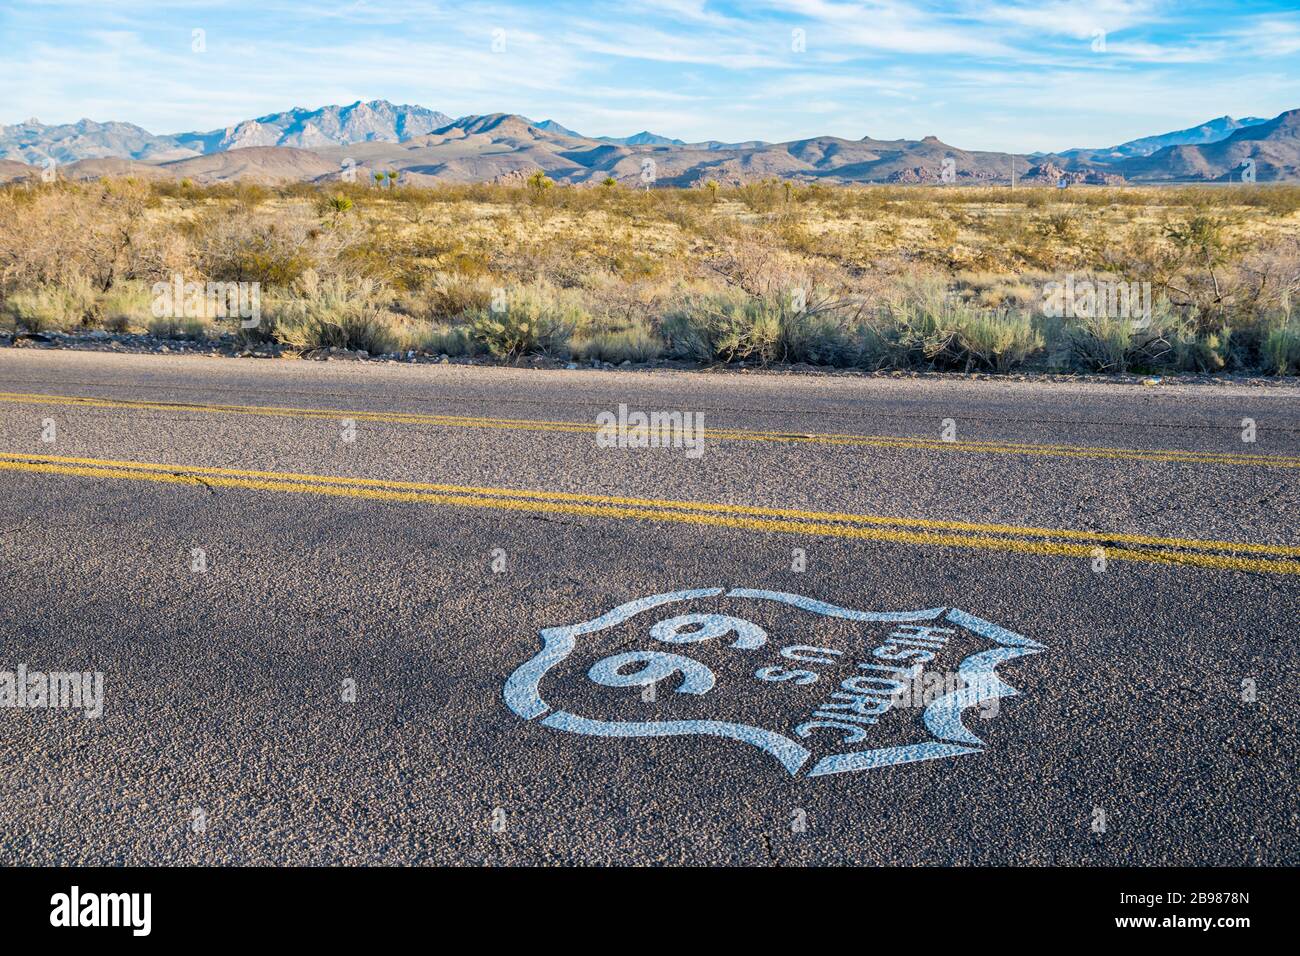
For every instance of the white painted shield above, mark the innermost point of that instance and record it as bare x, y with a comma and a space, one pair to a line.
834, 736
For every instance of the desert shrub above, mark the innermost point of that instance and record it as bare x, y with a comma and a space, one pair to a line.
634, 344
736, 326
176, 327
126, 306
998, 341
1199, 351
335, 313
535, 321
717, 326
1101, 344
1118, 345
820, 335
934, 328
993, 290
1278, 200
1204, 247
51, 307
446, 295
876, 345
762, 196
63, 233
1280, 349
626, 261
234, 244
436, 338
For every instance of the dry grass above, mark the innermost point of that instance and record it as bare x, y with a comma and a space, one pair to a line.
872, 276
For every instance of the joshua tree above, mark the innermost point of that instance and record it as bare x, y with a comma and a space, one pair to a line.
392, 178
539, 183
609, 182
712, 187
379, 180
336, 206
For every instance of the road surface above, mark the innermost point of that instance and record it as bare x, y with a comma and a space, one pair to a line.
316, 594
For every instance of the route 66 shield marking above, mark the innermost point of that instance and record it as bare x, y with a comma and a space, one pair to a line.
821, 689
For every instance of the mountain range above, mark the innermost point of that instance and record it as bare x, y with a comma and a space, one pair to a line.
426, 146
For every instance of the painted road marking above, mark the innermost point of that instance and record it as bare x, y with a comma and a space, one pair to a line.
851, 707
711, 434
1151, 549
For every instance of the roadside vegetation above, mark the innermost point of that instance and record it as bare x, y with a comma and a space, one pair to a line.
869, 277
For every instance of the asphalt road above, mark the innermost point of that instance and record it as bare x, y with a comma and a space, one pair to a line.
352, 674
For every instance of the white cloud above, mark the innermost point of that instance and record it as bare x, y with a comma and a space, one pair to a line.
1000, 74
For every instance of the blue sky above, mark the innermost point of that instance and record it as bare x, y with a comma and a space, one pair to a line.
981, 75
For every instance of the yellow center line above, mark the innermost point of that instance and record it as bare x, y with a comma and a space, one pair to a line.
1008, 538
715, 434
1098, 537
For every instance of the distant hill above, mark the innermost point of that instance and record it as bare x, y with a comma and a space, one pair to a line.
267, 164
378, 120
33, 143
643, 138
427, 147
1208, 132
553, 127
112, 166
1273, 146
502, 146
11, 170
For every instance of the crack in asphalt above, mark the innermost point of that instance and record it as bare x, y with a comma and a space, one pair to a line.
771, 852
197, 480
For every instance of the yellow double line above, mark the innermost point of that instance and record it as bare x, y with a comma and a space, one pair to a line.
1223, 555
711, 434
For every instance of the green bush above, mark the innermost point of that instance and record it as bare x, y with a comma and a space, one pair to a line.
938, 330
1201, 352
1280, 351
446, 295
437, 338
735, 326
1118, 345
48, 308
168, 327
335, 313
633, 344
534, 322
125, 306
